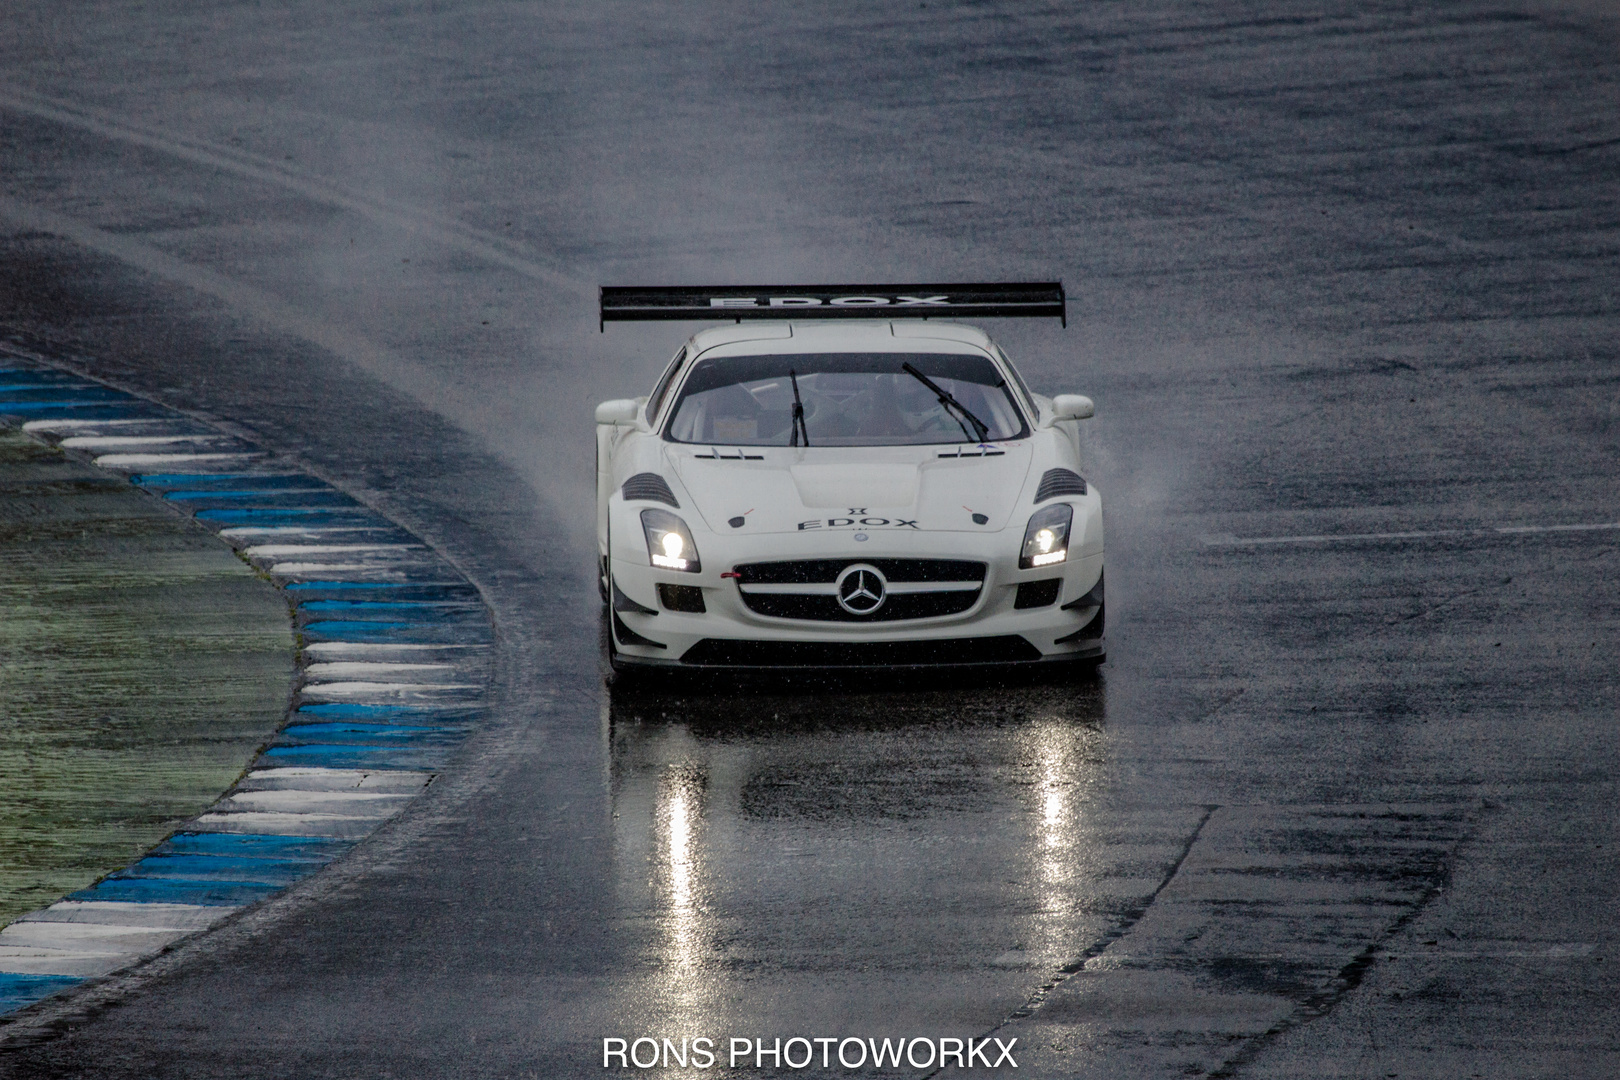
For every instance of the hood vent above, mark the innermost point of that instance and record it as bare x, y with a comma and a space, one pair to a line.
650, 487
714, 454
1057, 482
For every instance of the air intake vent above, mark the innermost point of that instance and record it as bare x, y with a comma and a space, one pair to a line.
681, 598
1037, 593
1056, 482
650, 487
717, 652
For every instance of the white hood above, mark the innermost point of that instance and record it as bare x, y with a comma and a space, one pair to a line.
795, 489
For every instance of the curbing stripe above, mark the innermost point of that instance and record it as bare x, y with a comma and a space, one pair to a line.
380, 703
336, 826
78, 442
18, 990
136, 461
206, 893
123, 913
317, 779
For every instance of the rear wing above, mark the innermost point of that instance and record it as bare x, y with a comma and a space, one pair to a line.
997, 299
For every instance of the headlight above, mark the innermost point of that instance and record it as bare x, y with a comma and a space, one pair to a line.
1046, 539
668, 541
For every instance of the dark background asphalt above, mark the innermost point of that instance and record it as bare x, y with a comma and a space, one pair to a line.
1333, 809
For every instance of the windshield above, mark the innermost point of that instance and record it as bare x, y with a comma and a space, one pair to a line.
849, 399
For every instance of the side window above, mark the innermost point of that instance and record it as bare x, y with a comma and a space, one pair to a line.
656, 402
1029, 398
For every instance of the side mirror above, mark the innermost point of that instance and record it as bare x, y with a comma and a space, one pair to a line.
621, 412
1072, 407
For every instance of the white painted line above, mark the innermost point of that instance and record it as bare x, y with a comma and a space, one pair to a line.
131, 913
272, 550
348, 691
395, 781
78, 442
122, 461
1513, 530
97, 938
374, 571
313, 772
349, 669
298, 530
337, 826
310, 569
308, 778
1229, 540
58, 425
368, 804
33, 960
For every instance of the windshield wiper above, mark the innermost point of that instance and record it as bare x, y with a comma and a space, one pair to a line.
950, 403
798, 413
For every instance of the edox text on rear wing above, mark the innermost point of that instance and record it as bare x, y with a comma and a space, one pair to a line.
996, 299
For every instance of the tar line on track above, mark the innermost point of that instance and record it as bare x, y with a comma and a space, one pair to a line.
1227, 540
439, 393
489, 246
1350, 976
393, 667
1099, 946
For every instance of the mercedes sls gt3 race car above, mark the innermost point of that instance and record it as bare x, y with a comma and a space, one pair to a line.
840, 479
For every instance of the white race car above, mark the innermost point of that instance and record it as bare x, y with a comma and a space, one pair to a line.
838, 480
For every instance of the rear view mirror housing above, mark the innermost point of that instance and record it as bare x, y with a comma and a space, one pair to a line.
620, 412
1071, 407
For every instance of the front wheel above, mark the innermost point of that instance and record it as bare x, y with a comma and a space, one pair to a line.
604, 583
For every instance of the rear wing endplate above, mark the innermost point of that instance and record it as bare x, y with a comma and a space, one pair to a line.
998, 299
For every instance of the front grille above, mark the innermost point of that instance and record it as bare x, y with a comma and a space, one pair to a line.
1055, 482
992, 650
826, 571
649, 487
894, 609
818, 604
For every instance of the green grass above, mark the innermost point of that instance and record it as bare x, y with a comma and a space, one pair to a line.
141, 665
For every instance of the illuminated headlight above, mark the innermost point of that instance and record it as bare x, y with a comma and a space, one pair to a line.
1046, 539
668, 541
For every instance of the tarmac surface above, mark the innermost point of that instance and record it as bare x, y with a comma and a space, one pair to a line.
1342, 801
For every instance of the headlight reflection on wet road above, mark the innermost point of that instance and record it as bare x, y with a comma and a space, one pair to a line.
1056, 828
809, 835
679, 814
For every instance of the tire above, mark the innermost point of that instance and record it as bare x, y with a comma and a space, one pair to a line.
603, 584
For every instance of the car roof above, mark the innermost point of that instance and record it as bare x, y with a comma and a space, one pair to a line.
844, 335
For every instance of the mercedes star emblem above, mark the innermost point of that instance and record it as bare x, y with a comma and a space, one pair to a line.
861, 589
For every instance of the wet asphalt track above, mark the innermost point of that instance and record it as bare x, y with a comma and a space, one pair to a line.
1334, 808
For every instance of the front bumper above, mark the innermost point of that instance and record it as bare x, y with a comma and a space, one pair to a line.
729, 635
